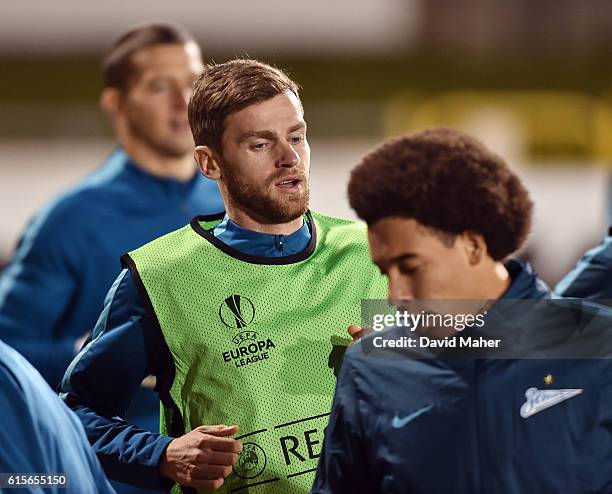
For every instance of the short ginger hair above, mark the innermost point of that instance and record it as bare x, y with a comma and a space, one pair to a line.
224, 89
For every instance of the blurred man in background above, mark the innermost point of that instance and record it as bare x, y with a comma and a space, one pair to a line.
41, 441
591, 278
52, 291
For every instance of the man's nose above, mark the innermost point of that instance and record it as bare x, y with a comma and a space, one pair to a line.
400, 291
181, 98
288, 156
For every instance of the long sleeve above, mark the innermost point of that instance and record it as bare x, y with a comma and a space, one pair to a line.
343, 463
592, 276
101, 381
36, 290
39, 434
126, 346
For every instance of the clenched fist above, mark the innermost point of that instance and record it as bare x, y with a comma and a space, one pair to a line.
202, 457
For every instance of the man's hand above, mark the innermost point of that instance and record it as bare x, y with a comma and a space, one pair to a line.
357, 332
202, 457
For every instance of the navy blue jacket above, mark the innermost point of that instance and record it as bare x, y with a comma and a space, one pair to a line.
475, 426
591, 278
39, 434
53, 289
127, 346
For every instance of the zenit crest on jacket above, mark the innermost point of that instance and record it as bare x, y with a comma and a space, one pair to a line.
258, 341
439, 425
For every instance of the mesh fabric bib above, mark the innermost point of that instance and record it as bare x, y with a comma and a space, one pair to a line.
258, 341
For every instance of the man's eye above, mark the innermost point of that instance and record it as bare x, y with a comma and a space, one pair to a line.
258, 146
296, 139
159, 86
409, 269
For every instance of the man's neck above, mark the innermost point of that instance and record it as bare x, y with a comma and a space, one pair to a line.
179, 168
243, 219
492, 285
497, 282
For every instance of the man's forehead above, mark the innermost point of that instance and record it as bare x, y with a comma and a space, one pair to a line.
168, 57
278, 114
392, 237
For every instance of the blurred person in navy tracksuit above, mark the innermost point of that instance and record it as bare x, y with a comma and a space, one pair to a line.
53, 288
591, 278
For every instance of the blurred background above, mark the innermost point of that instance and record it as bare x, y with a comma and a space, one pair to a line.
532, 79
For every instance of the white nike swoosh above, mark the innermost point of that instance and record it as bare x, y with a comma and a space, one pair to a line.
398, 423
537, 400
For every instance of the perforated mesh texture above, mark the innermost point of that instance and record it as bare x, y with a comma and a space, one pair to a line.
292, 313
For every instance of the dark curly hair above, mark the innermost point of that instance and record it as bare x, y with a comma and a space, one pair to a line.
447, 181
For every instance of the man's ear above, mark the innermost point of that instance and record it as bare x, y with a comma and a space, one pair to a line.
208, 162
475, 246
111, 100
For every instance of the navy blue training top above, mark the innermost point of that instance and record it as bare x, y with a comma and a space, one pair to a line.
478, 426
40, 435
127, 346
53, 289
591, 278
